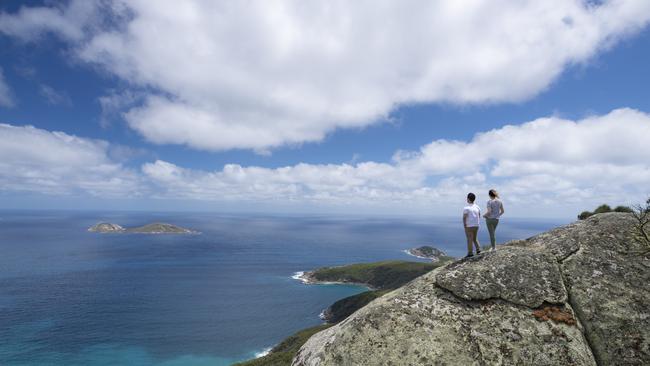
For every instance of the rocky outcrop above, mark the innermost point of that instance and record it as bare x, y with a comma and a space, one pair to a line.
577, 295
516, 275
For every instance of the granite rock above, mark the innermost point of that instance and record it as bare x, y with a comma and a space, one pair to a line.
576, 295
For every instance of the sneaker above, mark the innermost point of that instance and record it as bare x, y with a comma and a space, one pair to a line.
469, 255
492, 249
478, 251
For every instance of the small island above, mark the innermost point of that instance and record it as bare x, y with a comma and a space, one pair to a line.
153, 228
428, 252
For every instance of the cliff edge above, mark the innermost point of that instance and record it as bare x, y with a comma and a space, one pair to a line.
577, 295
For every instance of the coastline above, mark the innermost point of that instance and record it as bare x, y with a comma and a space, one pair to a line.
263, 352
408, 251
435, 259
306, 278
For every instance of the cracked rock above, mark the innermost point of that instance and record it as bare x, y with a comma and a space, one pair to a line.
516, 275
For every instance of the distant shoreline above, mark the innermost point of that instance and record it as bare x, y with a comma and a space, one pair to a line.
307, 278
156, 228
408, 251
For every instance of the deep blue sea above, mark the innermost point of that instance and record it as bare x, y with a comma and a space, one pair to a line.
71, 297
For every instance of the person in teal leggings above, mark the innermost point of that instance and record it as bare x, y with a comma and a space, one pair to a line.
492, 215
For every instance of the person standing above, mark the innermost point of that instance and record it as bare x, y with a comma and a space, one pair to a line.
492, 214
471, 219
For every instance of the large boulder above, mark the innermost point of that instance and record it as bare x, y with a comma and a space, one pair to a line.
577, 295
516, 275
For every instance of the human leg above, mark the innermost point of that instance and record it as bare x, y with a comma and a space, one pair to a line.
468, 236
492, 227
475, 239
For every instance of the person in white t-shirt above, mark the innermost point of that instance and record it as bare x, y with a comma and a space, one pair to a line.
471, 220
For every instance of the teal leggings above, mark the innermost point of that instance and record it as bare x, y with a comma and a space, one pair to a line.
492, 228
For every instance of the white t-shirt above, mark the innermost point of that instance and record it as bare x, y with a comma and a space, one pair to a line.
473, 215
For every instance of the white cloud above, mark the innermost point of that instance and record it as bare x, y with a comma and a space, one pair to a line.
6, 99
546, 161
259, 74
36, 160
72, 21
544, 167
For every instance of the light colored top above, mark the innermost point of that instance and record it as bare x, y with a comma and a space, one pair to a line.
473, 213
494, 207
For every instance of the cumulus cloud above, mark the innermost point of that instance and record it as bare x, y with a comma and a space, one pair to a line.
549, 162
260, 74
71, 21
36, 160
6, 100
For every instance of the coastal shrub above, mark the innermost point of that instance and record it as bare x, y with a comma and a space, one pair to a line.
584, 215
623, 209
602, 209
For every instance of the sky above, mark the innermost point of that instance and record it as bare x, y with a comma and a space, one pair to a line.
371, 107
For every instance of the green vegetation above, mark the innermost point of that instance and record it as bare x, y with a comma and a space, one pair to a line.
379, 275
283, 353
345, 307
603, 209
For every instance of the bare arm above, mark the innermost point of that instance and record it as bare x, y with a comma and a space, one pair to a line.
501, 211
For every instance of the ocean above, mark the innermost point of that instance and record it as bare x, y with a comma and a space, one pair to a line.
71, 297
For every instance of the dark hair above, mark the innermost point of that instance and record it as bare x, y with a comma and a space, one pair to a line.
493, 193
471, 197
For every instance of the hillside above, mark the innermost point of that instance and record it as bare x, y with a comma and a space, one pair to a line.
576, 295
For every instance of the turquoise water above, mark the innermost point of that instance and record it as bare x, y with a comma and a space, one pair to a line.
70, 297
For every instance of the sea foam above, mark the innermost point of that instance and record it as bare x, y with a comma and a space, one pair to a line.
263, 353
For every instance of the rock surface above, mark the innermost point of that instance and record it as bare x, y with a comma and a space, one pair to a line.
516, 275
577, 295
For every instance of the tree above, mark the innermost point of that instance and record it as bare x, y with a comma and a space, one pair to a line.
641, 213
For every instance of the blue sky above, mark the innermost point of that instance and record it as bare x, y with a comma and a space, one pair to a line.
315, 113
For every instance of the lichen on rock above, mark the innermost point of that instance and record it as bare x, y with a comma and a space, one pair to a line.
516, 275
